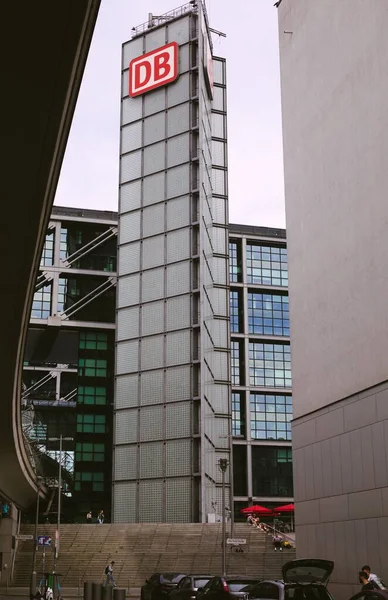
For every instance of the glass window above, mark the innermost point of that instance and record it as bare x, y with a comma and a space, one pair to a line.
268, 314
269, 365
270, 417
240, 470
267, 265
91, 340
47, 258
237, 362
236, 317
92, 395
86, 451
87, 481
91, 423
92, 367
272, 471
235, 270
41, 304
238, 415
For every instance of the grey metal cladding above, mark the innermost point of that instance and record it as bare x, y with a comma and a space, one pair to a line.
179, 31
218, 125
130, 166
128, 323
125, 502
154, 158
125, 84
178, 212
125, 462
184, 58
178, 348
152, 284
151, 463
127, 391
152, 352
131, 137
151, 386
155, 39
178, 312
178, 278
131, 109
151, 513
178, 181
219, 239
175, 448
219, 71
155, 102
219, 182
129, 227
153, 219
178, 245
177, 507
178, 420
128, 290
126, 426
219, 210
218, 98
127, 357
155, 128
132, 50
153, 251
178, 384
178, 119
218, 153
153, 188
152, 318
130, 196
179, 91
129, 258
151, 424
178, 150
219, 270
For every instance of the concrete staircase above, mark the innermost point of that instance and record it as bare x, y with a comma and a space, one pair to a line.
141, 549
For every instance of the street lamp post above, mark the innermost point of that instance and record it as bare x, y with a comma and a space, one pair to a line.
223, 466
33, 574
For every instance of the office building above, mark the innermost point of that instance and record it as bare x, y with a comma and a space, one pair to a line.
172, 423
334, 81
68, 369
260, 367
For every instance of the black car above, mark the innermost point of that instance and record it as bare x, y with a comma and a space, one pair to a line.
159, 585
226, 588
371, 595
188, 587
303, 579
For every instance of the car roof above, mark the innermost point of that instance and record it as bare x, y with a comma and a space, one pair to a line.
382, 593
242, 577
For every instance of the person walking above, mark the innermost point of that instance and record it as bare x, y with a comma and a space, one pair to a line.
110, 580
101, 517
277, 542
373, 577
89, 516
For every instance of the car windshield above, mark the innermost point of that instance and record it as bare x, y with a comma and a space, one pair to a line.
171, 577
238, 586
200, 583
306, 592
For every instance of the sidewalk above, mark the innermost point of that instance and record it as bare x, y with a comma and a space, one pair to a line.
23, 593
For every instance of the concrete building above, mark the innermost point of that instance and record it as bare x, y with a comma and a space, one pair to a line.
334, 77
260, 367
68, 371
172, 400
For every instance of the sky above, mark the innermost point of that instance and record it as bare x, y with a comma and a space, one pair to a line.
89, 176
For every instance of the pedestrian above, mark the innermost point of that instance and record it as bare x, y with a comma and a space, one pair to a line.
109, 574
89, 516
101, 517
277, 542
373, 577
366, 584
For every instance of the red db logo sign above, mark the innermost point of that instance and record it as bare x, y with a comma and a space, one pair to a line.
154, 69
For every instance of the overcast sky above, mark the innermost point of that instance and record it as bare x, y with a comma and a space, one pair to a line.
89, 177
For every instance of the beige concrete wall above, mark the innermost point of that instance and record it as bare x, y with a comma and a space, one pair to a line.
334, 75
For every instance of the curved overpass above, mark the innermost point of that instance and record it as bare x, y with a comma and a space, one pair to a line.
44, 50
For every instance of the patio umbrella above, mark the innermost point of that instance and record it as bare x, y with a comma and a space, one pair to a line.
256, 509
285, 508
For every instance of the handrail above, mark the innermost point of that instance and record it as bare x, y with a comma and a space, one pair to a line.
278, 532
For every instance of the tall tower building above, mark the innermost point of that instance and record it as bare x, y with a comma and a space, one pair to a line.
172, 401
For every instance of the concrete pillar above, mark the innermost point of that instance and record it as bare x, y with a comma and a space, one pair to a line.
88, 590
119, 594
96, 590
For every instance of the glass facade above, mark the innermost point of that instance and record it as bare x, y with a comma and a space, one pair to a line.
267, 265
272, 471
41, 304
268, 314
269, 365
235, 312
270, 417
238, 414
47, 258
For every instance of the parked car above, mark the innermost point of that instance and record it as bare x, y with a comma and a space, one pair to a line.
371, 595
188, 587
226, 588
159, 585
303, 579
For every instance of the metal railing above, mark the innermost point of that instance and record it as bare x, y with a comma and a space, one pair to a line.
155, 21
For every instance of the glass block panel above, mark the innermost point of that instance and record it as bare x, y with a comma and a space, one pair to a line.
155, 102
151, 461
219, 71
178, 245
177, 493
219, 270
154, 158
128, 290
153, 220
218, 125
219, 239
178, 181
152, 352
130, 196
127, 391
153, 252
220, 333
178, 119
220, 365
129, 227
179, 91
218, 153
178, 31
151, 423
131, 50
178, 212
178, 150
178, 278
130, 166
178, 420
155, 39
126, 426
153, 189
178, 348
218, 182
125, 462
154, 128
129, 258
127, 323
178, 458
151, 384
218, 98
219, 210
131, 137
151, 512
178, 382
152, 285
152, 318
184, 58
178, 312
131, 109
125, 502
127, 357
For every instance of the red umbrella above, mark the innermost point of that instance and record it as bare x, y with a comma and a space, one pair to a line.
256, 509
285, 508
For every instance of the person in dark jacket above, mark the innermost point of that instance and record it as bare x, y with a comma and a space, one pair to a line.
366, 584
